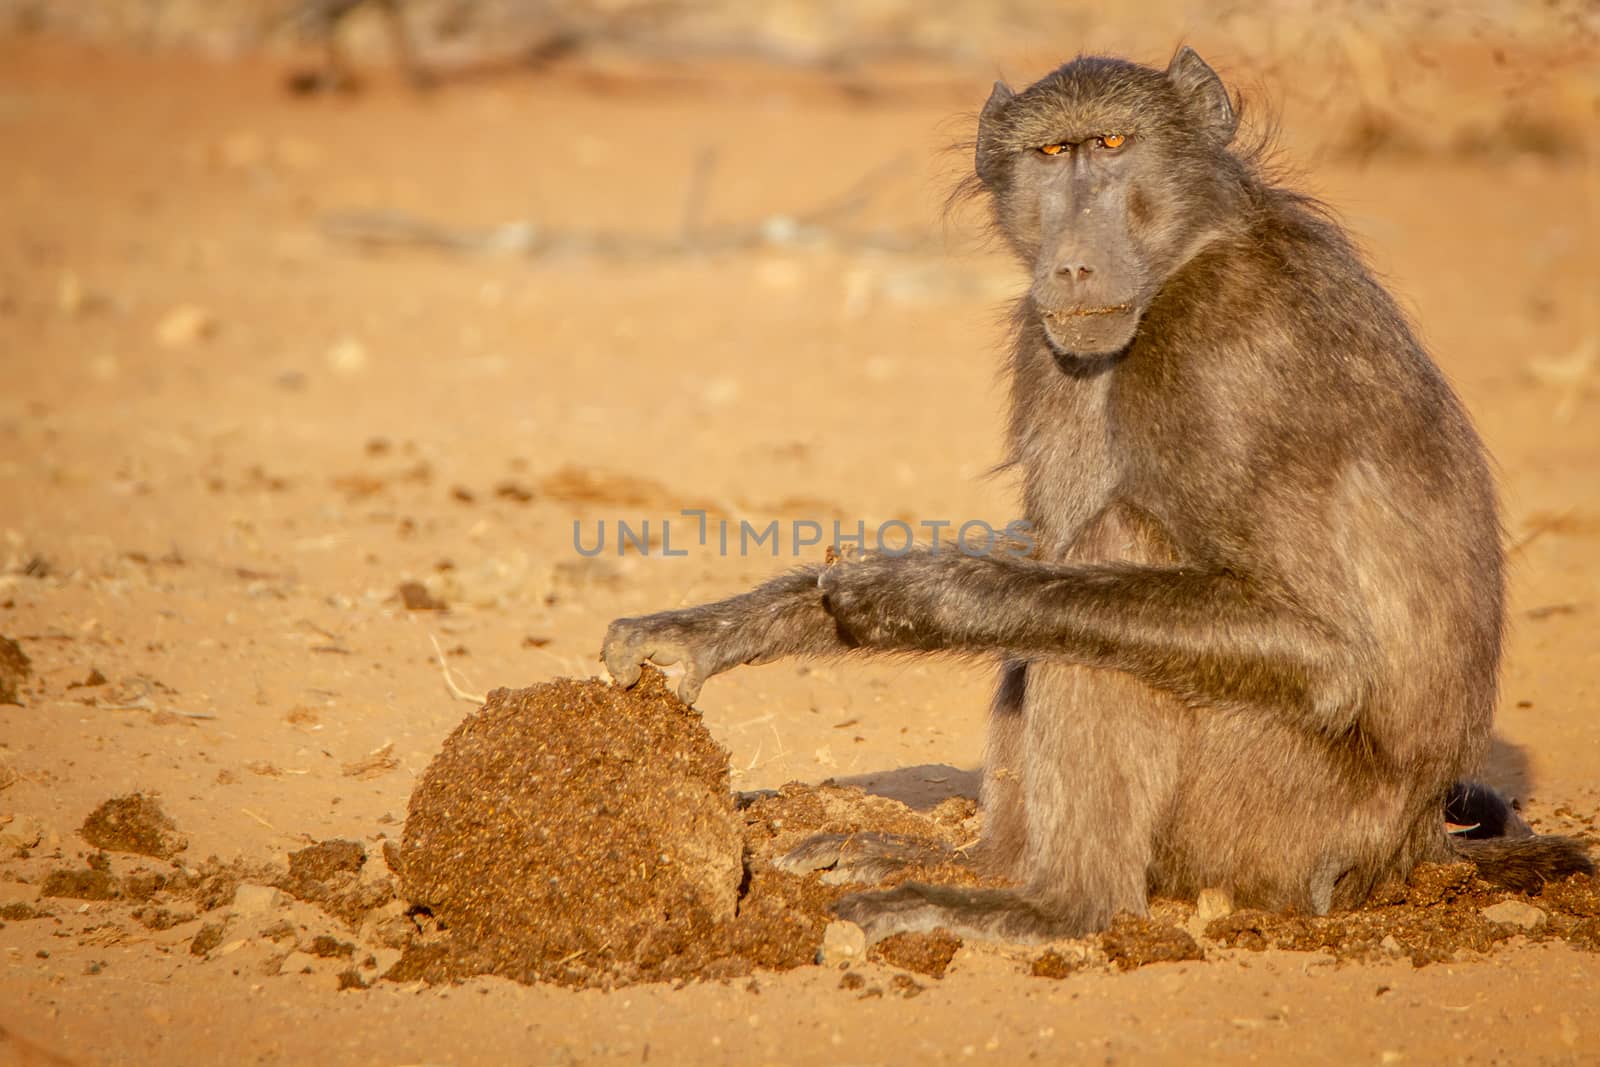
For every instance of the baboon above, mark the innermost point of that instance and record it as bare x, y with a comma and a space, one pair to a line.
1257, 643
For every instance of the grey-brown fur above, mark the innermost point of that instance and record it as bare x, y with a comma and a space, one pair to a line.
1259, 638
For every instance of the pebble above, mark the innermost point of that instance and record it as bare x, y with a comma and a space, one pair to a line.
1515, 913
256, 899
185, 325
22, 831
348, 357
1213, 904
842, 941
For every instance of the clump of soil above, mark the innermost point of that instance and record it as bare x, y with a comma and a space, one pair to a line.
86, 883
1437, 914
134, 823
15, 669
208, 937
583, 834
328, 874
213, 883
928, 953
576, 832
1134, 941
1053, 964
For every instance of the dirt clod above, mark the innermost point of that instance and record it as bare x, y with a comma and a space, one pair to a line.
928, 953
328, 874
584, 834
1134, 941
86, 883
207, 938
577, 832
1435, 883
134, 823
906, 986
15, 670
1053, 964
415, 597
157, 918
330, 948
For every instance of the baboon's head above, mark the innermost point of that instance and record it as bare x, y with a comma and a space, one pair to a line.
1106, 178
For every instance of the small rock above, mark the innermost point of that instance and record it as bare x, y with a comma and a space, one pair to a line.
347, 356
328, 947
133, 823
207, 938
14, 671
256, 899
22, 831
1515, 913
842, 941
1390, 946
416, 597
185, 325
1213, 904
82, 884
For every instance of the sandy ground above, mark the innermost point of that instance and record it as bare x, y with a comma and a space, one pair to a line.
228, 435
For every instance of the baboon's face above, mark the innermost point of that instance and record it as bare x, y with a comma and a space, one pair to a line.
1103, 176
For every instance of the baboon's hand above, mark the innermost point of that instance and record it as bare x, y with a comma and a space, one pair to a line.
686, 637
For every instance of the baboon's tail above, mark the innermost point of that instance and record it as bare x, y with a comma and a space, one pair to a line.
1524, 863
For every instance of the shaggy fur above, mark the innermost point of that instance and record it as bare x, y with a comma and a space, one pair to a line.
1258, 640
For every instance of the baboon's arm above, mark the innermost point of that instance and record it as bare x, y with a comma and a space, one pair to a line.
781, 617
1210, 637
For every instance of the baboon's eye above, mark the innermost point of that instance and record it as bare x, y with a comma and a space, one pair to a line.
1112, 141
1053, 149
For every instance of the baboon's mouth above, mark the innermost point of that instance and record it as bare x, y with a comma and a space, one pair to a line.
1083, 313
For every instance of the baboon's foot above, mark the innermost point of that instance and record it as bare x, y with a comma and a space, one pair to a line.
985, 914
864, 857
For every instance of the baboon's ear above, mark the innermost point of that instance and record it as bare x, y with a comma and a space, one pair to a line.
987, 163
1203, 94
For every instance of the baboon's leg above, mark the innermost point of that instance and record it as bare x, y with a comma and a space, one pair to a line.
1098, 765
1005, 827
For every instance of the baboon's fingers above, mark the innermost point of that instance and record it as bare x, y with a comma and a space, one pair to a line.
621, 653
625, 676
693, 678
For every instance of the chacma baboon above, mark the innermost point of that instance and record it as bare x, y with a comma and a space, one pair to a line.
1258, 640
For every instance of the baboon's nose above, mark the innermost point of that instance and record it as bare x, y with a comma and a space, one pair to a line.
1074, 272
